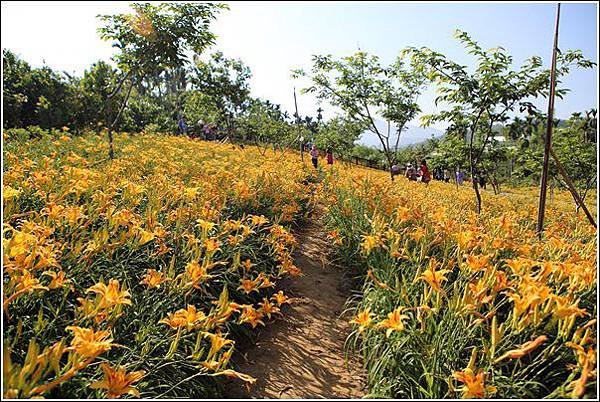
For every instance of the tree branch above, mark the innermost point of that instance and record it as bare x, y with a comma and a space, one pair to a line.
118, 88
122, 105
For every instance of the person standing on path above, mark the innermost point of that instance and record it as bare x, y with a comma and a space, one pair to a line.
314, 154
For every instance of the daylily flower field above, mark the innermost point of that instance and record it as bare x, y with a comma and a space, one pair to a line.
460, 305
133, 277
138, 276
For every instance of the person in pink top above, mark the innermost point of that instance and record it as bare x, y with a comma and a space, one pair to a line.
314, 154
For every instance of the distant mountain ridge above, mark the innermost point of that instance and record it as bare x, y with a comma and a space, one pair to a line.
411, 135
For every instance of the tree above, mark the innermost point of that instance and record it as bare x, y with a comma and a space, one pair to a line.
264, 124
153, 40
584, 125
363, 89
478, 100
226, 82
198, 106
339, 134
590, 126
38, 96
579, 158
95, 85
14, 87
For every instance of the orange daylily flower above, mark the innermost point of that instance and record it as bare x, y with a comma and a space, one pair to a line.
394, 322
247, 265
258, 220
251, 316
188, 317
335, 237
267, 308
196, 273
369, 243
111, 294
217, 342
477, 263
474, 384
212, 245
88, 342
58, 279
153, 278
206, 226
280, 298
266, 283
564, 310
27, 282
363, 319
434, 278
117, 381
249, 285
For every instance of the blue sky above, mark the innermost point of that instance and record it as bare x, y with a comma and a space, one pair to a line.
273, 38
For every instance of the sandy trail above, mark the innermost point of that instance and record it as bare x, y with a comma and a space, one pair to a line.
301, 354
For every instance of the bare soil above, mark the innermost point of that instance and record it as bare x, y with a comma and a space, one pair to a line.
301, 353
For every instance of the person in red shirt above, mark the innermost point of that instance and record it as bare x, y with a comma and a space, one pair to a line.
424, 172
329, 156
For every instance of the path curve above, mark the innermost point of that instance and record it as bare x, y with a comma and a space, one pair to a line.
301, 354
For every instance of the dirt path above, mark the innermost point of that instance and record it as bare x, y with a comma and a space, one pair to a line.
301, 355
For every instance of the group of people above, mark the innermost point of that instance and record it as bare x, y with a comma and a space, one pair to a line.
314, 154
411, 173
203, 130
423, 175
480, 177
441, 174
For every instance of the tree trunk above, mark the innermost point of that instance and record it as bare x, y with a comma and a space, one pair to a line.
474, 180
109, 125
494, 185
477, 195
111, 151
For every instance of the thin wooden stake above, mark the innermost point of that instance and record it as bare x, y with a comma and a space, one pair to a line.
298, 127
549, 126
